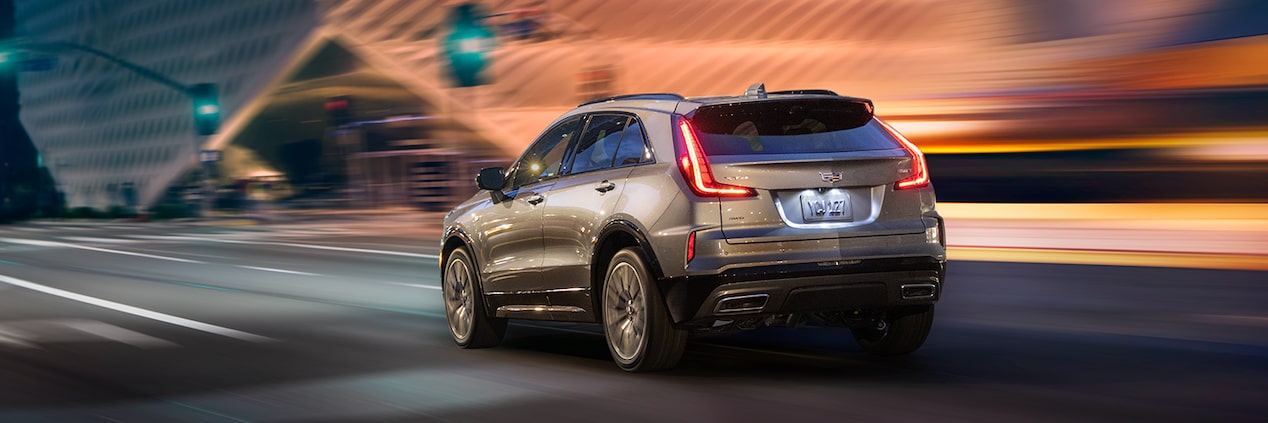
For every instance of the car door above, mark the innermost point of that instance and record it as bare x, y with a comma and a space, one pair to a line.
512, 229
579, 203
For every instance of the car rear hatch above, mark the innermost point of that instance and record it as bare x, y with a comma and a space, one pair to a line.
813, 168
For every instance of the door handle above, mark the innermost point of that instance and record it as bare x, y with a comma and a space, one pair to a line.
535, 200
605, 186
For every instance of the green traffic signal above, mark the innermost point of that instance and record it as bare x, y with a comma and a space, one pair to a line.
8, 58
206, 108
468, 45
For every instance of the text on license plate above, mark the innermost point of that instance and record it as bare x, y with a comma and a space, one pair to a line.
826, 206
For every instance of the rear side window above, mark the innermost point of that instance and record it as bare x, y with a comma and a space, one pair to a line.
790, 127
633, 149
599, 143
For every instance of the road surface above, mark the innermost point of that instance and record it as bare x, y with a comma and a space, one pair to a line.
341, 321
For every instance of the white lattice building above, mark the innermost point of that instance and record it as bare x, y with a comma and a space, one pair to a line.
99, 126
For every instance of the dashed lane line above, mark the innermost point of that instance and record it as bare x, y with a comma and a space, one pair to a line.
40, 243
259, 268
270, 269
137, 311
414, 285
290, 244
99, 240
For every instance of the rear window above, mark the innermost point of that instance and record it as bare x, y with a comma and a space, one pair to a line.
790, 127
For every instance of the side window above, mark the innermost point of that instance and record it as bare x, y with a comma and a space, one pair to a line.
633, 148
599, 143
545, 158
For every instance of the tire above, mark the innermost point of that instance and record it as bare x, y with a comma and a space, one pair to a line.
906, 330
469, 323
639, 332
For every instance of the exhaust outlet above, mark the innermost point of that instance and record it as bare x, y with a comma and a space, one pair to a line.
919, 291
742, 303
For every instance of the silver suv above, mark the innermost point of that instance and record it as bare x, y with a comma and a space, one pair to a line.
658, 216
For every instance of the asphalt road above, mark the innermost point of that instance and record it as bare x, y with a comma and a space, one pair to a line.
340, 321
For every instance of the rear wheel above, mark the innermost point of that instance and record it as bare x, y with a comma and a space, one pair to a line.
469, 324
904, 331
639, 332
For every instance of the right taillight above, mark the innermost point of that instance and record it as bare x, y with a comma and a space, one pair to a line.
695, 168
919, 170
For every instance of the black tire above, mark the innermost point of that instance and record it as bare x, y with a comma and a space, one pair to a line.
639, 331
469, 323
906, 330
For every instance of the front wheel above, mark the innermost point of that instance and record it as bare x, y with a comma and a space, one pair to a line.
469, 324
904, 331
639, 331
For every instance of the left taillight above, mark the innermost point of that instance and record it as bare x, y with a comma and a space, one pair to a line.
694, 165
919, 169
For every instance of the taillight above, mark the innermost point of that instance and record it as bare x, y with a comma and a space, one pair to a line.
919, 170
695, 168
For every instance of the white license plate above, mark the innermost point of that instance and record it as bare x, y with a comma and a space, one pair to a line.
826, 206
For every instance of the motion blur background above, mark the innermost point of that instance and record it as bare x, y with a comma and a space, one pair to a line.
1113, 154
346, 103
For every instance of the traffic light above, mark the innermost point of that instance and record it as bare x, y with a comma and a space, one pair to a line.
468, 45
206, 108
339, 110
9, 58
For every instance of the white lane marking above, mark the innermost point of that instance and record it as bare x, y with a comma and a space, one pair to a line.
289, 244
105, 250
85, 247
270, 269
137, 311
353, 250
412, 285
99, 240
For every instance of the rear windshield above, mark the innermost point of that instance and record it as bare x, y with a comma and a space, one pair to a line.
790, 127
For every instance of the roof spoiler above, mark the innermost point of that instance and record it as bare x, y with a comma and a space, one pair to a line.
813, 92
759, 90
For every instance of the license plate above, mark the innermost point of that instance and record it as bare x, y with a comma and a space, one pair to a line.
826, 206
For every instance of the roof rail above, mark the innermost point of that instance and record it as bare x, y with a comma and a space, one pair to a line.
644, 96
817, 92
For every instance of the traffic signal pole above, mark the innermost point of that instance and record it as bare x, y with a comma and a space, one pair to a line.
206, 105
60, 47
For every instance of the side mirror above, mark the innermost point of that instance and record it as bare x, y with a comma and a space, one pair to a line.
492, 179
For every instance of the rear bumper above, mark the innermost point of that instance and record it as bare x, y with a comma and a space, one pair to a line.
812, 287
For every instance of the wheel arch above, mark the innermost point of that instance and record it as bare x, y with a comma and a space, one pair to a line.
452, 240
614, 237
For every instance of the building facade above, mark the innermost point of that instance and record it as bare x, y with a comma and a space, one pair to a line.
276, 62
